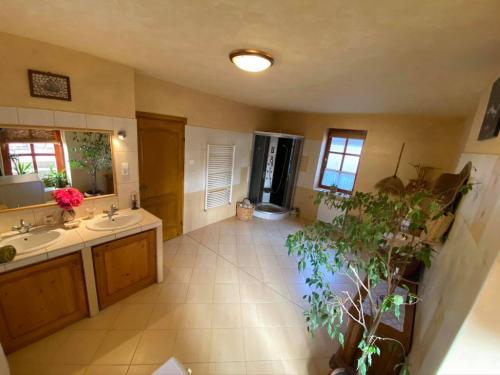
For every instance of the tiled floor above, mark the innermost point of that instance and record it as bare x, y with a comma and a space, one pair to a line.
230, 304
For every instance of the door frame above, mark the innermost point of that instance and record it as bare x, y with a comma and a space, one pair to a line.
183, 122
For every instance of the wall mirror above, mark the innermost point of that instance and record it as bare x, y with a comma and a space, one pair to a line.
36, 161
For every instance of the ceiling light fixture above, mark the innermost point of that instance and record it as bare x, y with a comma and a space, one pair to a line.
251, 60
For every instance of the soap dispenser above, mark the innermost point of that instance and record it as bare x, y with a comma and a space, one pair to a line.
135, 202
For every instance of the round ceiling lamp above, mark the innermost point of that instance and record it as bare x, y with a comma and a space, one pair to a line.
251, 60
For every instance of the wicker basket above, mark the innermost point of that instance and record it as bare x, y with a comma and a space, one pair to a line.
437, 228
244, 214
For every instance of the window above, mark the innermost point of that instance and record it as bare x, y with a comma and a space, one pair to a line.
341, 159
40, 158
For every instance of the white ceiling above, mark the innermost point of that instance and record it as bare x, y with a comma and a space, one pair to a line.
351, 56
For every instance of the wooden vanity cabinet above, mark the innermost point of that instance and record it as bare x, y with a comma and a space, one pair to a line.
40, 299
124, 266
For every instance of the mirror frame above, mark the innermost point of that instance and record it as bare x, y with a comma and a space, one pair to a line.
113, 155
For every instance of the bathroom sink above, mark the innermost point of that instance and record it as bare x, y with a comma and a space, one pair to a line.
117, 222
33, 241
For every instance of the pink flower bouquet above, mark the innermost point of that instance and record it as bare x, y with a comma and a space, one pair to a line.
68, 198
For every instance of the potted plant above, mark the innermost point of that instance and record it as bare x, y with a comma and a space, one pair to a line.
21, 167
95, 155
68, 199
55, 178
372, 244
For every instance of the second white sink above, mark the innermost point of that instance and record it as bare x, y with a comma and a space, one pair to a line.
120, 221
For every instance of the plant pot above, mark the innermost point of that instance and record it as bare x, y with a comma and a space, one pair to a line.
68, 215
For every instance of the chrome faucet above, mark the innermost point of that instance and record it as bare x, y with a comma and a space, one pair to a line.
111, 212
23, 227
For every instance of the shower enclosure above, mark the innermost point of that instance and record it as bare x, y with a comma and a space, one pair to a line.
274, 173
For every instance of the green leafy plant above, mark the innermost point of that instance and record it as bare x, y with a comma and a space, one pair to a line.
55, 179
21, 167
371, 243
95, 154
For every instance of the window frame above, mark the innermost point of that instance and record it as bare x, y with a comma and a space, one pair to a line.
58, 154
341, 133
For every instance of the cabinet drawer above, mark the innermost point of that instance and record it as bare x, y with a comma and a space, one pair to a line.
125, 266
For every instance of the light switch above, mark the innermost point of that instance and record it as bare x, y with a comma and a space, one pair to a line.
191, 162
124, 168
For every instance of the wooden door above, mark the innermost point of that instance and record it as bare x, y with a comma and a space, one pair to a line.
38, 300
125, 266
161, 169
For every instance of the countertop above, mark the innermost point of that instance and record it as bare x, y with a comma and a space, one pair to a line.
79, 238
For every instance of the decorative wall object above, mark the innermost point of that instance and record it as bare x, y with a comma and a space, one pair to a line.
491, 122
49, 85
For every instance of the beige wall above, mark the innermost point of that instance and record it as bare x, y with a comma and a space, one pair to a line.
97, 86
433, 141
203, 110
451, 318
210, 119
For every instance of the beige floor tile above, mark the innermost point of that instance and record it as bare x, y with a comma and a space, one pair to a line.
185, 260
155, 347
247, 257
250, 275
196, 315
106, 370
227, 345
147, 295
198, 368
226, 293
283, 314
173, 293
103, 320
51, 369
266, 368
272, 274
298, 367
117, 348
205, 259
281, 289
227, 368
203, 276
228, 252
260, 345
166, 316
226, 272
177, 275
193, 345
40, 352
142, 369
249, 315
226, 315
79, 347
259, 293
133, 316
200, 293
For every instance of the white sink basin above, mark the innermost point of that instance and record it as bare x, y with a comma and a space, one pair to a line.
33, 241
117, 222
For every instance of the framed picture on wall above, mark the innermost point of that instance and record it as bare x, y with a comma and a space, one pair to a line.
491, 122
49, 85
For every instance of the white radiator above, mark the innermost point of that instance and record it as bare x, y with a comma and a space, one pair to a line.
219, 178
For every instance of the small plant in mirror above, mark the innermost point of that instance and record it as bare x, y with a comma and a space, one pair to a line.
21, 167
54, 178
95, 155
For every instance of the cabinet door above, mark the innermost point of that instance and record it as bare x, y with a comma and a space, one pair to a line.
37, 300
124, 266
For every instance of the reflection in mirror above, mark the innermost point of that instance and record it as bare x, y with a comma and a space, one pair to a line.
35, 162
